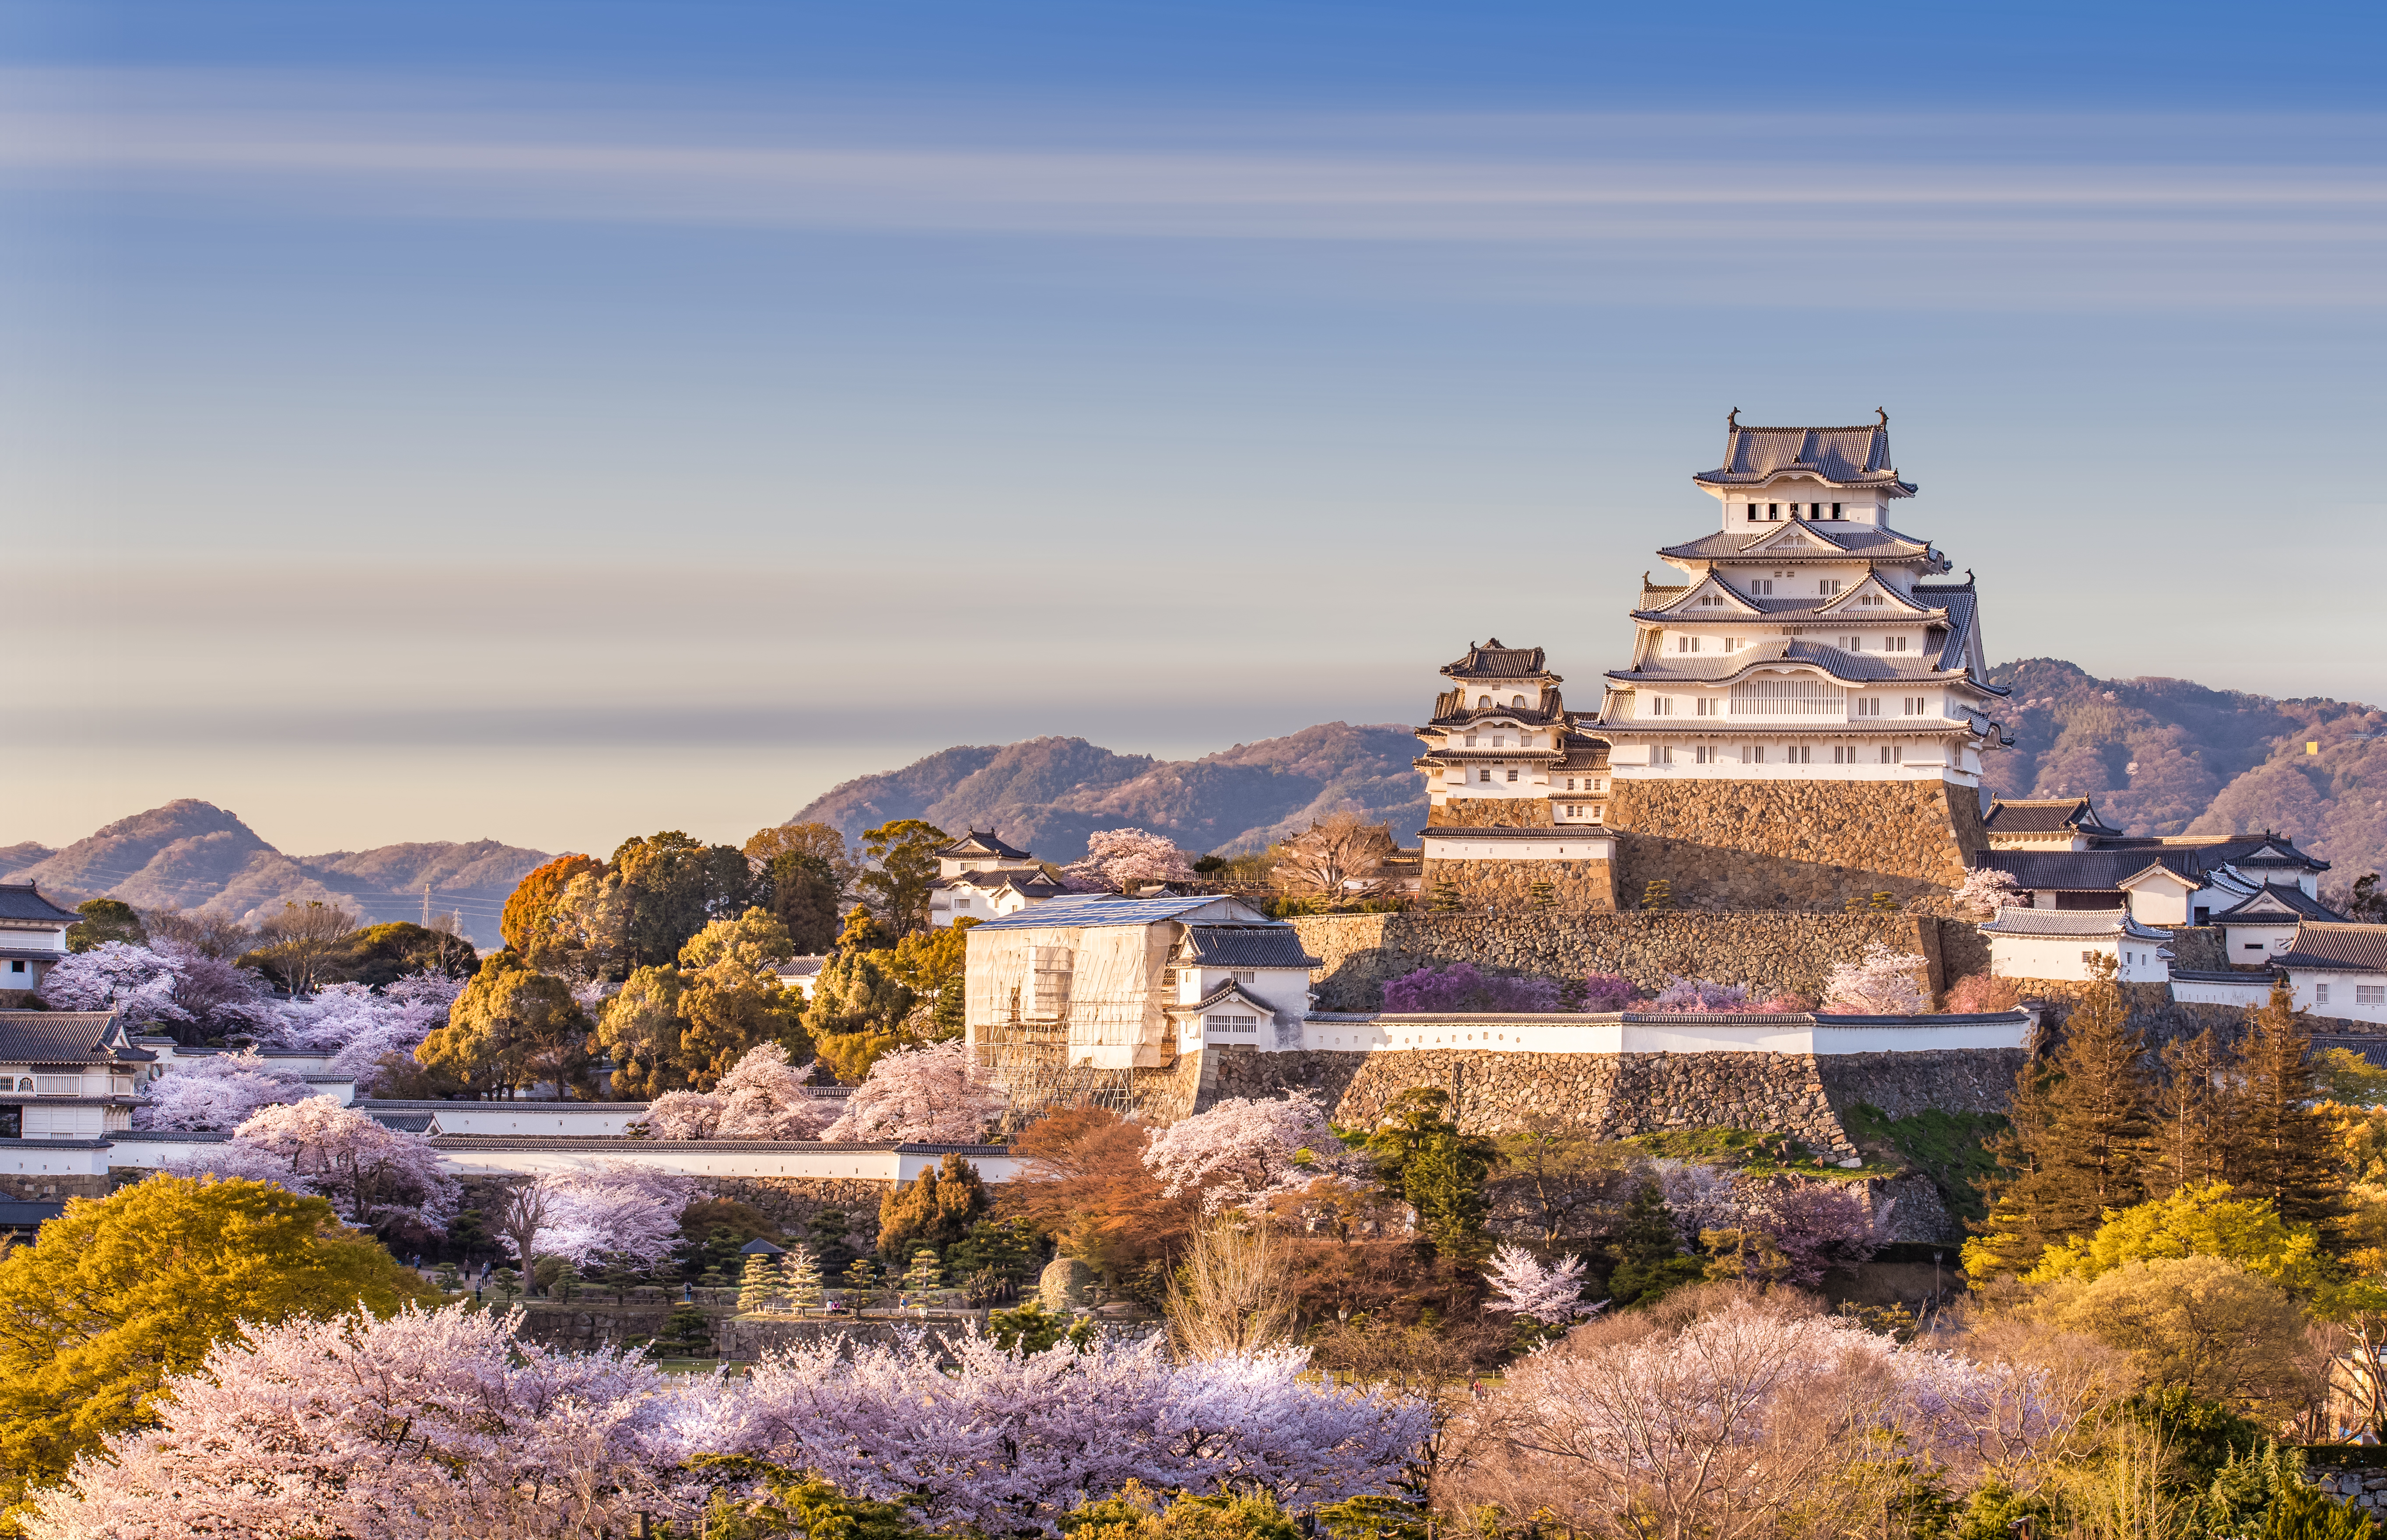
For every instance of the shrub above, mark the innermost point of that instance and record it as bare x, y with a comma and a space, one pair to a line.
1979, 993
1607, 991
1461, 988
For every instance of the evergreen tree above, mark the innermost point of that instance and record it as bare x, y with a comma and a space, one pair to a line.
2279, 1143
2076, 1142
861, 1278
800, 1278
757, 1282
1649, 1256
2193, 1111
1439, 1171
925, 1273
938, 1208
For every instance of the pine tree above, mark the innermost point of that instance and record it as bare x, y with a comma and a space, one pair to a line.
800, 1278
861, 1277
938, 1208
2193, 1112
1648, 1253
925, 1273
2076, 1142
2279, 1142
756, 1284
1658, 894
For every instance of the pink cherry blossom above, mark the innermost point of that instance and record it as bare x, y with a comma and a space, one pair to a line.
217, 1093
1880, 982
1118, 859
1524, 1285
614, 1209
1242, 1152
918, 1096
377, 1176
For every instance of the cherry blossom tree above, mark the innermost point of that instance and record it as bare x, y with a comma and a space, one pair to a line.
232, 1160
1119, 858
169, 989
362, 1028
613, 1210
1880, 982
437, 1423
1524, 1285
1461, 988
1241, 1151
762, 1097
1608, 991
1983, 892
918, 1096
217, 1093
1006, 1441
1816, 1227
377, 1176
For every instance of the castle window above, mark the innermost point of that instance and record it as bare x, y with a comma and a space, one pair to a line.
1844, 756
1470, 740
1707, 707
1773, 510
1512, 775
1703, 755
1762, 586
2370, 994
1827, 585
1754, 755
2320, 994
1868, 706
1732, 644
1796, 754
1869, 600
1483, 777
1894, 644
2088, 956
1686, 643
1836, 511
1665, 755
1912, 705
1893, 754
1752, 513
1516, 700
1483, 702
1661, 705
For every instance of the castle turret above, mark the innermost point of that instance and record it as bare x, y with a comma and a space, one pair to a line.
1516, 794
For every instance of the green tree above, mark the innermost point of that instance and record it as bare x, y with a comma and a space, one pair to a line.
105, 919
119, 1292
938, 1208
905, 851
805, 894
727, 1010
1032, 1328
674, 886
2279, 1148
639, 1030
2193, 1112
2208, 1220
2077, 1145
1649, 1253
1422, 1155
931, 964
1136, 1513
1555, 1178
513, 1026
924, 1271
528, 920
857, 992
753, 940
381, 954
820, 843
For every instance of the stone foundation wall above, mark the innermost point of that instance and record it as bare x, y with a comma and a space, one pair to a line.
2198, 948
1792, 844
1491, 812
788, 1203
48, 1187
1933, 1080
1576, 887
1772, 954
2152, 1010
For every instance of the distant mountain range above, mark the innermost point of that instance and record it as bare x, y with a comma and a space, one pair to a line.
1047, 794
2160, 756
2165, 756
196, 855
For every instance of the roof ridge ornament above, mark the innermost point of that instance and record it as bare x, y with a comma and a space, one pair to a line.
1883, 413
1731, 418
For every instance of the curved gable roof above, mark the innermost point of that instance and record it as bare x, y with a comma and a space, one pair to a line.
1837, 457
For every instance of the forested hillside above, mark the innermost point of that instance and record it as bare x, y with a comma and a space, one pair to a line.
1049, 794
198, 855
2166, 756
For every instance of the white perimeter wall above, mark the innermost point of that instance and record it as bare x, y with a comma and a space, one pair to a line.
693, 1158
1593, 1034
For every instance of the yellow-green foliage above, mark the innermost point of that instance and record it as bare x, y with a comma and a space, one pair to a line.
2201, 1323
1136, 1514
119, 1292
2352, 1078
2203, 1221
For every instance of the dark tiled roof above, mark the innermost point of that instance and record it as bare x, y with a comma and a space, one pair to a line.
976, 843
23, 1214
2277, 905
2343, 946
1219, 994
2045, 815
1839, 457
598, 1142
1833, 542
22, 901
2261, 979
1539, 831
2071, 922
1491, 660
404, 1122
2105, 863
1028, 882
1101, 909
1450, 709
1247, 946
66, 1037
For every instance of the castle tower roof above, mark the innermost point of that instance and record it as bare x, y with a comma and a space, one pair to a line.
1857, 457
1491, 661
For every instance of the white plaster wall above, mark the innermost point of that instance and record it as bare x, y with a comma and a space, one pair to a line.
2257, 943
32, 1160
2159, 901
2197, 991
1609, 1034
672, 1157
2343, 1004
589, 1119
2059, 958
1568, 846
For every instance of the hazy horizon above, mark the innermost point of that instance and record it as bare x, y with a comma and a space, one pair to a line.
547, 422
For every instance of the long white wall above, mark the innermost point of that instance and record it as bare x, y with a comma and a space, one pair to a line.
1641, 1033
501, 1157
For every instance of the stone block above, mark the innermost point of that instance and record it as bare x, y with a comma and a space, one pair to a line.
1064, 1284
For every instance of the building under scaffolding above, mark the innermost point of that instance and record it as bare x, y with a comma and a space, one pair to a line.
1097, 1001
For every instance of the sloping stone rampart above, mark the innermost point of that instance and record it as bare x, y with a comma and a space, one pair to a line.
1792, 844
1771, 953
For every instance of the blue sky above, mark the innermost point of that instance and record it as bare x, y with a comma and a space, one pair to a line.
546, 421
